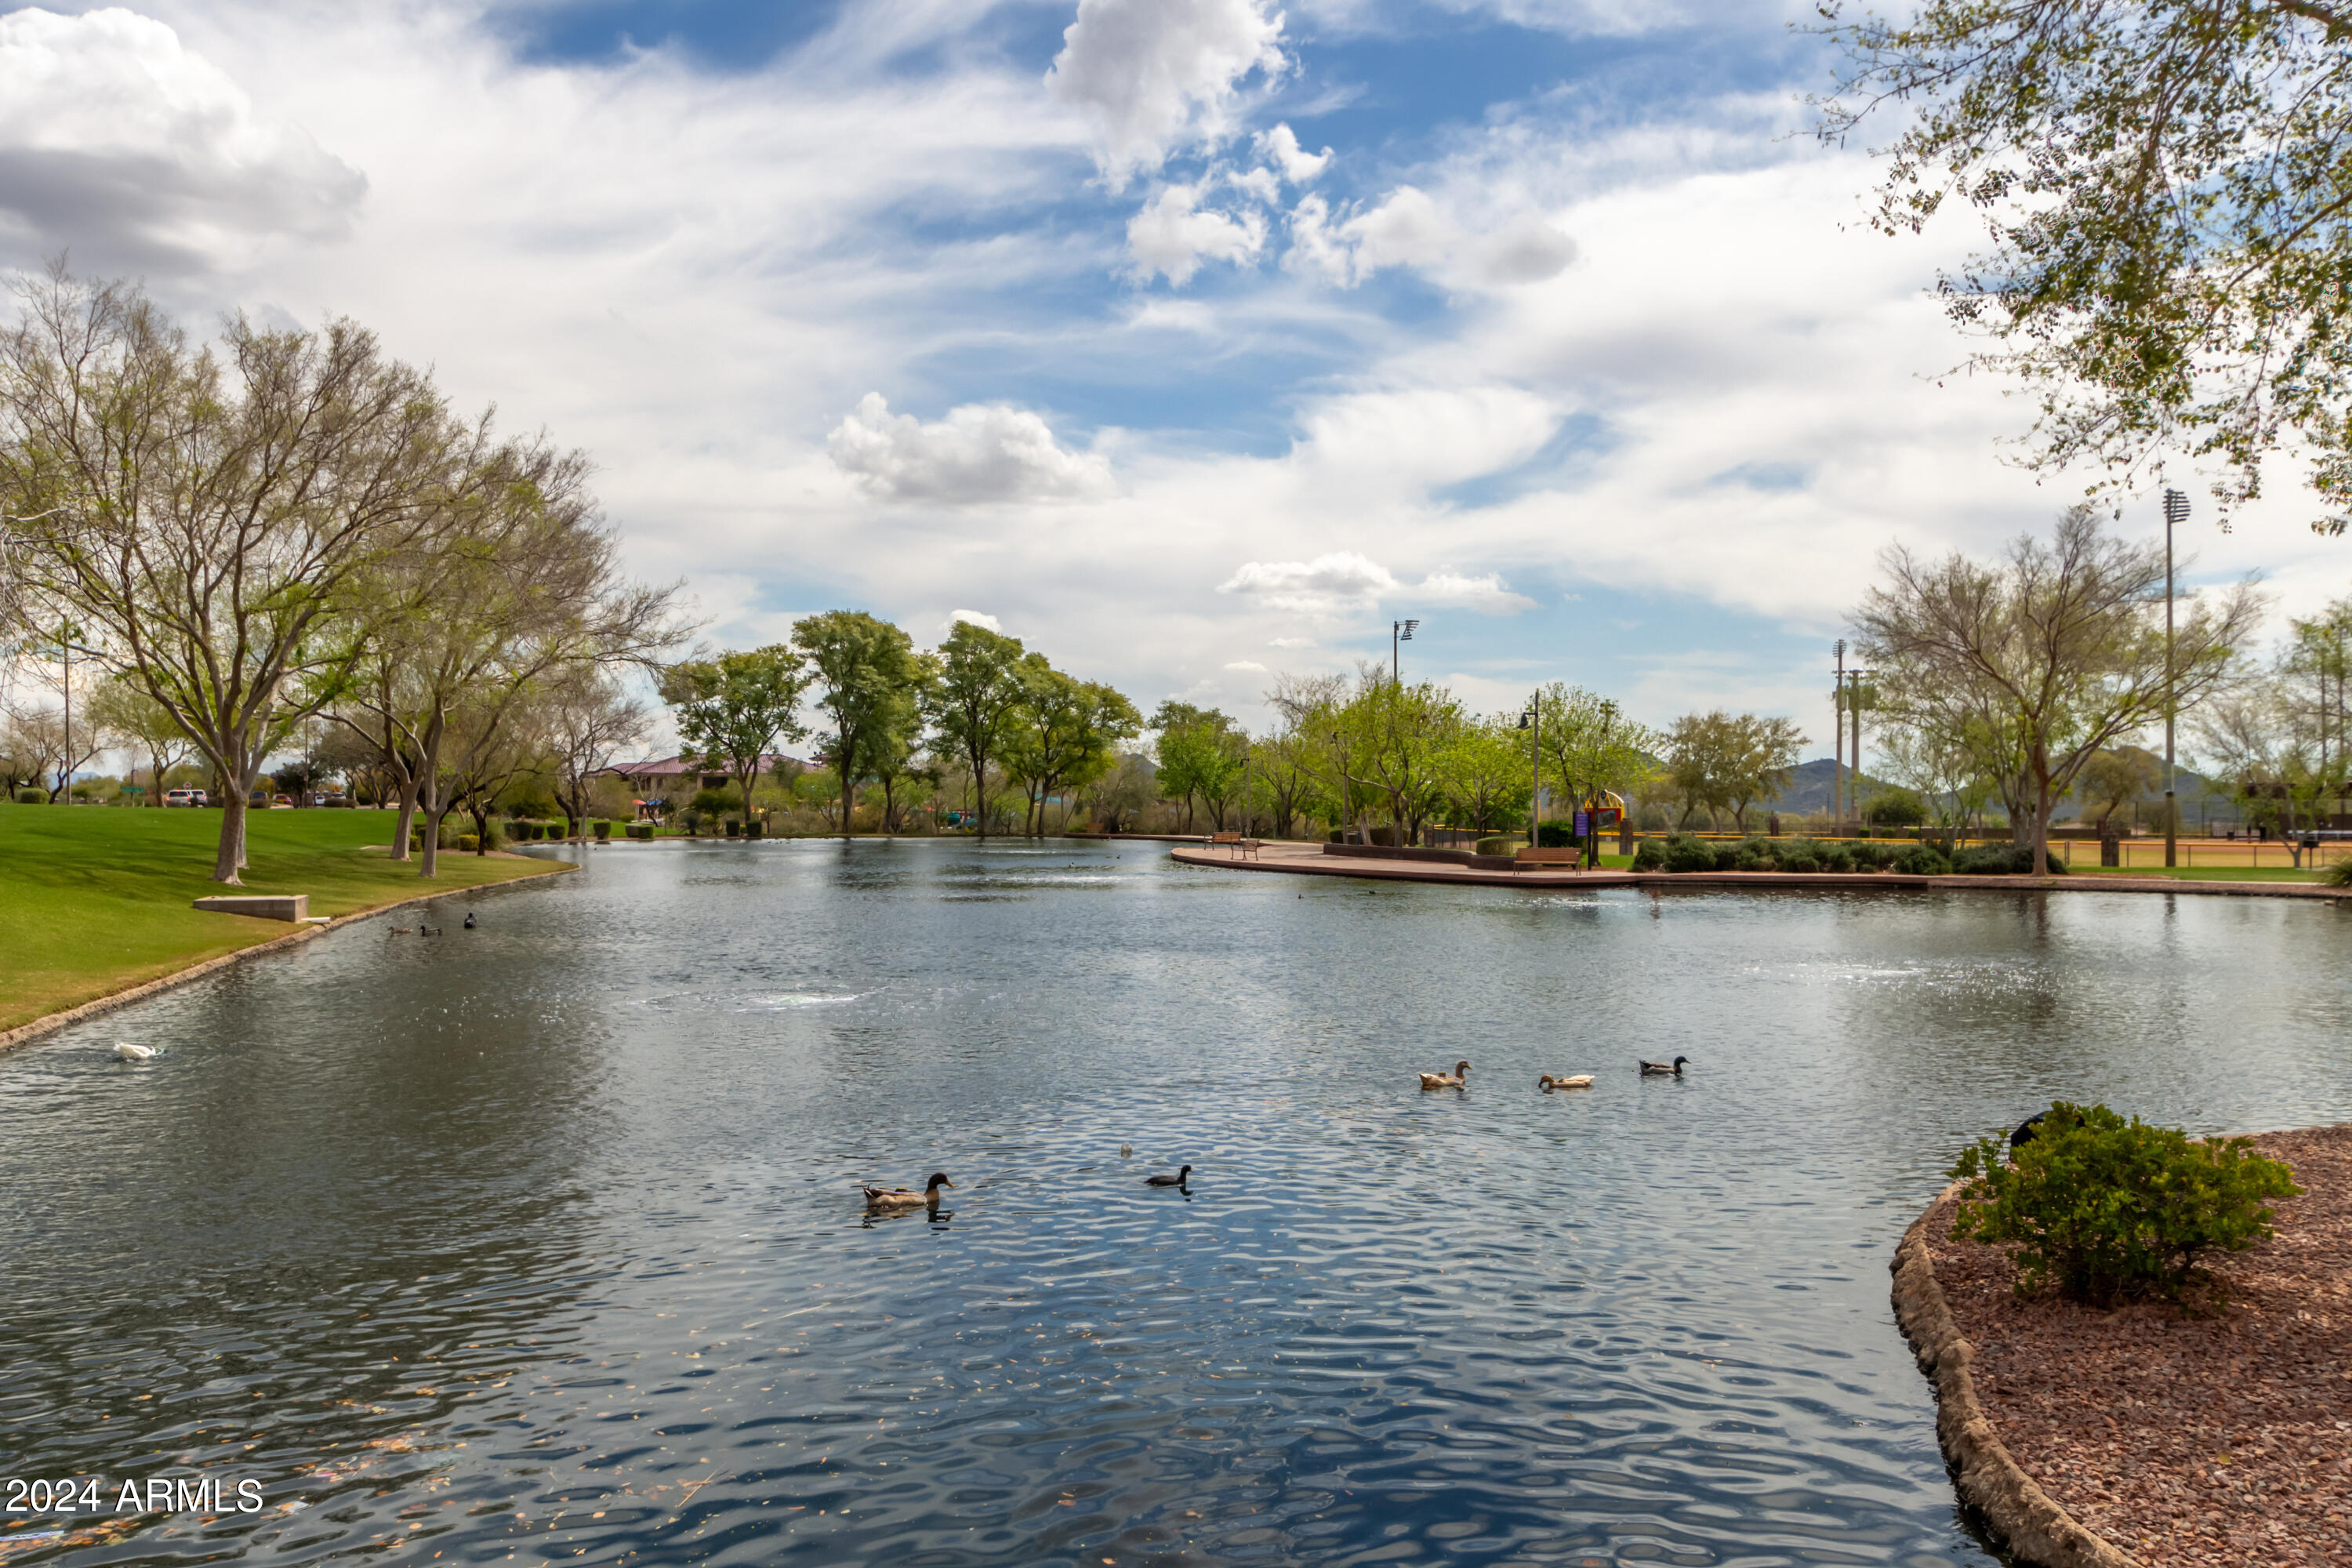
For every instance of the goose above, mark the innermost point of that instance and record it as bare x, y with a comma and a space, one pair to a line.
131, 1053
1175, 1181
1459, 1078
1662, 1069
1580, 1080
906, 1197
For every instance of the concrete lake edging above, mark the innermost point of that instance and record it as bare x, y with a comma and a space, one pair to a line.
2026, 1519
1313, 863
26, 1034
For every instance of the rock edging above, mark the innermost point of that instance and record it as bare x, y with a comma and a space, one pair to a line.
2026, 1518
24, 1034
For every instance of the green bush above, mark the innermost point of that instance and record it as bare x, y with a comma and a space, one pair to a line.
1896, 807
1685, 853
603, 830
641, 830
31, 797
1650, 855
469, 842
1800, 857
1496, 846
2105, 1209
2337, 875
2002, 860
1923, 860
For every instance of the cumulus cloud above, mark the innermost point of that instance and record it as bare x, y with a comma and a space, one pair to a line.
1152, 76
1486, 595
1279, 146
979, 452
1409, 229
1328, 585
1347, 580
122, 143
1247, 665
976, 618
1173, 235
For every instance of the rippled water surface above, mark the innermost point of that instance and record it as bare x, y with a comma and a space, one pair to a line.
542, 1242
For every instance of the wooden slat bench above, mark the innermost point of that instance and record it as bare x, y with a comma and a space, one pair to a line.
1235, 843
1573, 860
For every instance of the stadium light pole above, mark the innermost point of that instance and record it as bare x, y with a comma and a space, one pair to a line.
1400, 632
2176, 511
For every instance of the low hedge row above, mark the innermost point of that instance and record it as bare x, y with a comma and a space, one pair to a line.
1681, 852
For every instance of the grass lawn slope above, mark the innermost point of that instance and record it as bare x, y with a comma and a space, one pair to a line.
95, 899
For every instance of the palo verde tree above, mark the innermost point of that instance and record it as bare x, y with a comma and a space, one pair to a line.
736, 708
970, 706
2059, 650
213, 517
2163, 183
867, 671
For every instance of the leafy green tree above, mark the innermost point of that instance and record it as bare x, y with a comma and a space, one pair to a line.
733, 711
869, 674
2114, 779
1071, 734
1593, 749
1202, 755
972, 703
1487, 773
1895, 808
123, 708
2163, 183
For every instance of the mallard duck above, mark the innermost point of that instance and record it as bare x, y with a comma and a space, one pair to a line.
1664, 1069
1458, 1079
1580, 1081
1175, 1181
131, 1053
906, 1197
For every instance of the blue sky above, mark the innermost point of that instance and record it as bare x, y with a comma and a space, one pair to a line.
1192, 341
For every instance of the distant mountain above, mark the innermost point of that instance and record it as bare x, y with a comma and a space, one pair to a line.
2201, 798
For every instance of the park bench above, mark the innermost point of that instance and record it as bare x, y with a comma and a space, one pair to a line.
1235, 844
1573, 860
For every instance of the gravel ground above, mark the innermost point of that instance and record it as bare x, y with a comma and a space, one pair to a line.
2221, 1439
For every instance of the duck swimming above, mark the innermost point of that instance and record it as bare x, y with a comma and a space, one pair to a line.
131, 1053
1459, 1078
1175, 1181
906, 1197
1663, 1069
1548, 1082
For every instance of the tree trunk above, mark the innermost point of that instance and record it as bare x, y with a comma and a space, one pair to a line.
430, 860
229, 855
407, 820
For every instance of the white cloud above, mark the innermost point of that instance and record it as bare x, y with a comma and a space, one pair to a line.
1281, 145
979, 452
1328, 585
1484, 594
1152, 76
118, 141
1409, 229
975, 617
1249, 665
1529, 251
1290, 642
1173, 235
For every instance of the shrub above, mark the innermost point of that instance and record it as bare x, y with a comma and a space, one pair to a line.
1650, 855
469, 842
2002, 860
641, 830
711, 802
30, 797
1798, 857
1685, 853
2106, 1209
1747, 857
1838, 858
2337, 875
603, 829
1556, 834
1923, 860
1896, 807
1495, 845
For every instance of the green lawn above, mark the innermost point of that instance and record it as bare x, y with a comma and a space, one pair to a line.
96, 899
2208, 873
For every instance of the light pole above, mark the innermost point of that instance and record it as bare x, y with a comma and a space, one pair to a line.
1532, 722
2176, 511
1400, 632
1837, 746
1853, 706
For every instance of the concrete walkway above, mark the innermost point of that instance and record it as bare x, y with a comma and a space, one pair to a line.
1309, 860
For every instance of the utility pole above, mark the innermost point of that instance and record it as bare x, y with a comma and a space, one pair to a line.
1837, 746
1853, 706
2176, 510
1398, 632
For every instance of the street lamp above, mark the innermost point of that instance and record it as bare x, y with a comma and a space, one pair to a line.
1532, 720
1398, 632
2176, 511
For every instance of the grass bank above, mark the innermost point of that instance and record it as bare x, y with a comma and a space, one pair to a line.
94, 900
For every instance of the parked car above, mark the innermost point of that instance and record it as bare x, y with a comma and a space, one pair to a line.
183, 797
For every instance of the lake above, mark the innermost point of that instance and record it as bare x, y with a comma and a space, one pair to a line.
543, 1242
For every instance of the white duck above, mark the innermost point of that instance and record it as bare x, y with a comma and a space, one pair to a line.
131, 1053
